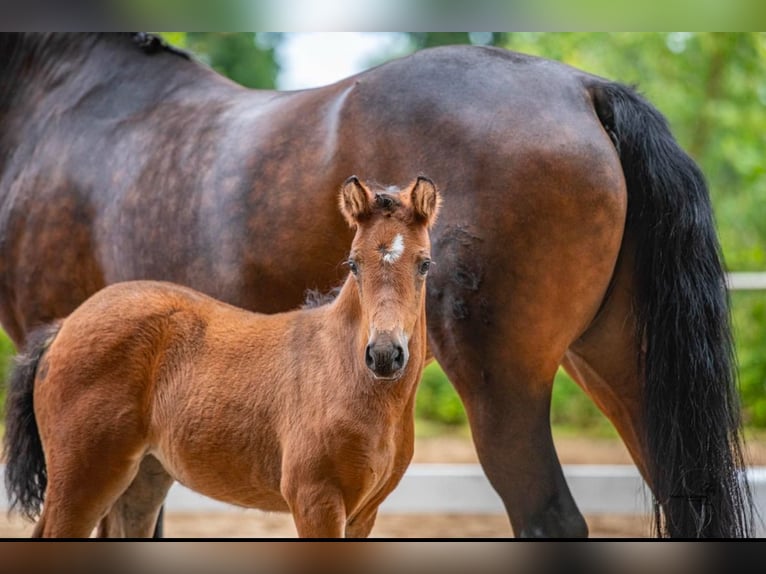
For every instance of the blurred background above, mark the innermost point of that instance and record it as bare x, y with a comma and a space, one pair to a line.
711, 87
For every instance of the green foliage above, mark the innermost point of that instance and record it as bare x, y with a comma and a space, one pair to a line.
437, 400
422, 40
7, 350
246, 58
572, 408
750, 333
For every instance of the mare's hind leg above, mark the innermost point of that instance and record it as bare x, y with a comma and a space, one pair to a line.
505, 301
604, 362
134, 514
502, 365
508, 406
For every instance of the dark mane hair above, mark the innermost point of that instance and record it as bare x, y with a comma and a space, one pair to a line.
316, 298
28, 57
20, 47
30, 42
152, 43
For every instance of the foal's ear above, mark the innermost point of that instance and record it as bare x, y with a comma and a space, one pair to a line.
355, 200
425, 200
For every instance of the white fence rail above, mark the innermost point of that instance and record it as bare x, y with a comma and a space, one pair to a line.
464, 489
742, 281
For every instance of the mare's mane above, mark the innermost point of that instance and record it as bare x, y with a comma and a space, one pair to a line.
23, 44
28, 57
19, 50
152, 43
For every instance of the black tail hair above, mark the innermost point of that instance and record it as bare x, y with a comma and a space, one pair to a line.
691, 400
25, 474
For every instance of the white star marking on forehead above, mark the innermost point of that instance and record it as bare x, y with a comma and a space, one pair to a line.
395, 250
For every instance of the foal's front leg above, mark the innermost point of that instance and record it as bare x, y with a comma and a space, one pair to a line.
318, 511
361, 525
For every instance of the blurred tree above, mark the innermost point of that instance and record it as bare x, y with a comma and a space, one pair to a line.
247, 58
422, 40
7, 351
437, 400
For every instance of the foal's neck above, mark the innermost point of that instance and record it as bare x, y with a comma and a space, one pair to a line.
346, 306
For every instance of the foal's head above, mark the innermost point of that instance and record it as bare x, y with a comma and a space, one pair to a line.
389, 260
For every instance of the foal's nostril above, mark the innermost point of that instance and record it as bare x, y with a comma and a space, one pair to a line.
369, 360
397, 357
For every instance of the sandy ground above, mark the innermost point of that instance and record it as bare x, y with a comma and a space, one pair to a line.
255, 524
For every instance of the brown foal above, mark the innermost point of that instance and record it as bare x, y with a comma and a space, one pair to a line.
309, 411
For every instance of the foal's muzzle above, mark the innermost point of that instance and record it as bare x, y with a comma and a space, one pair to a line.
386, 356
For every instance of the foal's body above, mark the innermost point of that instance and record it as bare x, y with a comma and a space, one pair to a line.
229, 409
309, 411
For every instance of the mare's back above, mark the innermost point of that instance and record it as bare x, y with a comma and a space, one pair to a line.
153, 166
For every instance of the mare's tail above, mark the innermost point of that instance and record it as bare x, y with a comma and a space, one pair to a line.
691, 401
25, 474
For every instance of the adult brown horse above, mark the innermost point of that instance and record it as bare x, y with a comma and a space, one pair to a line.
575, 231
309, 411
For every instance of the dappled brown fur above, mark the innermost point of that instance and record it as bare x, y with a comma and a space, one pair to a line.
149, 382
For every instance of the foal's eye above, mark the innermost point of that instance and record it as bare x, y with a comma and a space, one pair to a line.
424, 266
352, 266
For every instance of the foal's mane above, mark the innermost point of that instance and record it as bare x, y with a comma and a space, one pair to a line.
316, 298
